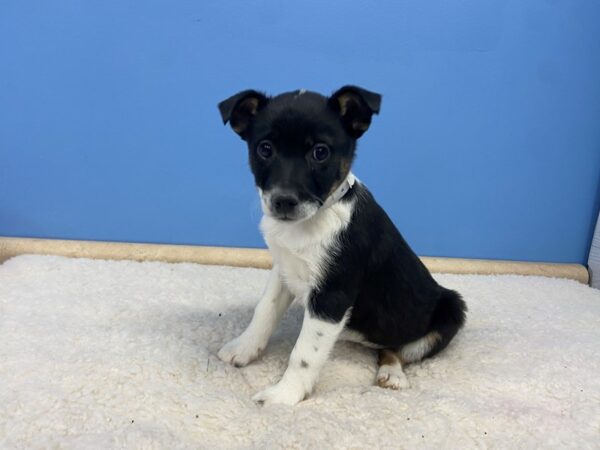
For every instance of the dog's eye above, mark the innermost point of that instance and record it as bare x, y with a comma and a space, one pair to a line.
265, 150
320, 152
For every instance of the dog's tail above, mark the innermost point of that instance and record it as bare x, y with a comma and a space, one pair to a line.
448, 317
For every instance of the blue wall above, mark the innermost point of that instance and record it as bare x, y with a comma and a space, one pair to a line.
488, 144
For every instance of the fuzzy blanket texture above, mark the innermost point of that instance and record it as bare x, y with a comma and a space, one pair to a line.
121, 354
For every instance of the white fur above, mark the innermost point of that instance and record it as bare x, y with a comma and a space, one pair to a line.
301, 252
248, 346
391, 376
302, 249
416, 350
310, 353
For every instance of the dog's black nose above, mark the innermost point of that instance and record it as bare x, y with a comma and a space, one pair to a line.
284, 203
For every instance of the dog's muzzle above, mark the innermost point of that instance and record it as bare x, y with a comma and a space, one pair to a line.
286, 205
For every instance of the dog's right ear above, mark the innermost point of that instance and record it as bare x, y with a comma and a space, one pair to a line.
356, 106
240, 109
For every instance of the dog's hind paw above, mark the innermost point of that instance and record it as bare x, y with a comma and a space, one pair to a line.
392, 377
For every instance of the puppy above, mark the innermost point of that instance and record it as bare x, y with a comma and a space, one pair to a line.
334, 248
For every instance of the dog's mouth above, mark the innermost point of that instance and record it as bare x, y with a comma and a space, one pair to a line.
303, 213
286, 218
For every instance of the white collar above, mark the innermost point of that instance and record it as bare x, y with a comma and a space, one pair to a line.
346, 185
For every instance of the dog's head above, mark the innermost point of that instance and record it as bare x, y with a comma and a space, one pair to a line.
301, 144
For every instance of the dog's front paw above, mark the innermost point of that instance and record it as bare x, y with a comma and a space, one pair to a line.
285, 393
241, 351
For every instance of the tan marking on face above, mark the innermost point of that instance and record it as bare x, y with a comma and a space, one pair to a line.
345, 168
344, 171
334, 187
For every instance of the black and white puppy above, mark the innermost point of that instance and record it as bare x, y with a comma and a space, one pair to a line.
334, 248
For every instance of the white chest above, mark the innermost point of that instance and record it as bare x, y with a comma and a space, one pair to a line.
302, 251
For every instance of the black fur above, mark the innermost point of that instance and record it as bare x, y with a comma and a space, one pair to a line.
394, 298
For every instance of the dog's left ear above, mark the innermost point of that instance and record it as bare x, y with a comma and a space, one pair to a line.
240, 109
356, 106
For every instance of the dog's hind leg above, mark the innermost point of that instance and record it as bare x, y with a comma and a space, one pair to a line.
447, 319
390, 374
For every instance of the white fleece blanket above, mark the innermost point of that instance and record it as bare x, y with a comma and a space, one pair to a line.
105, 354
